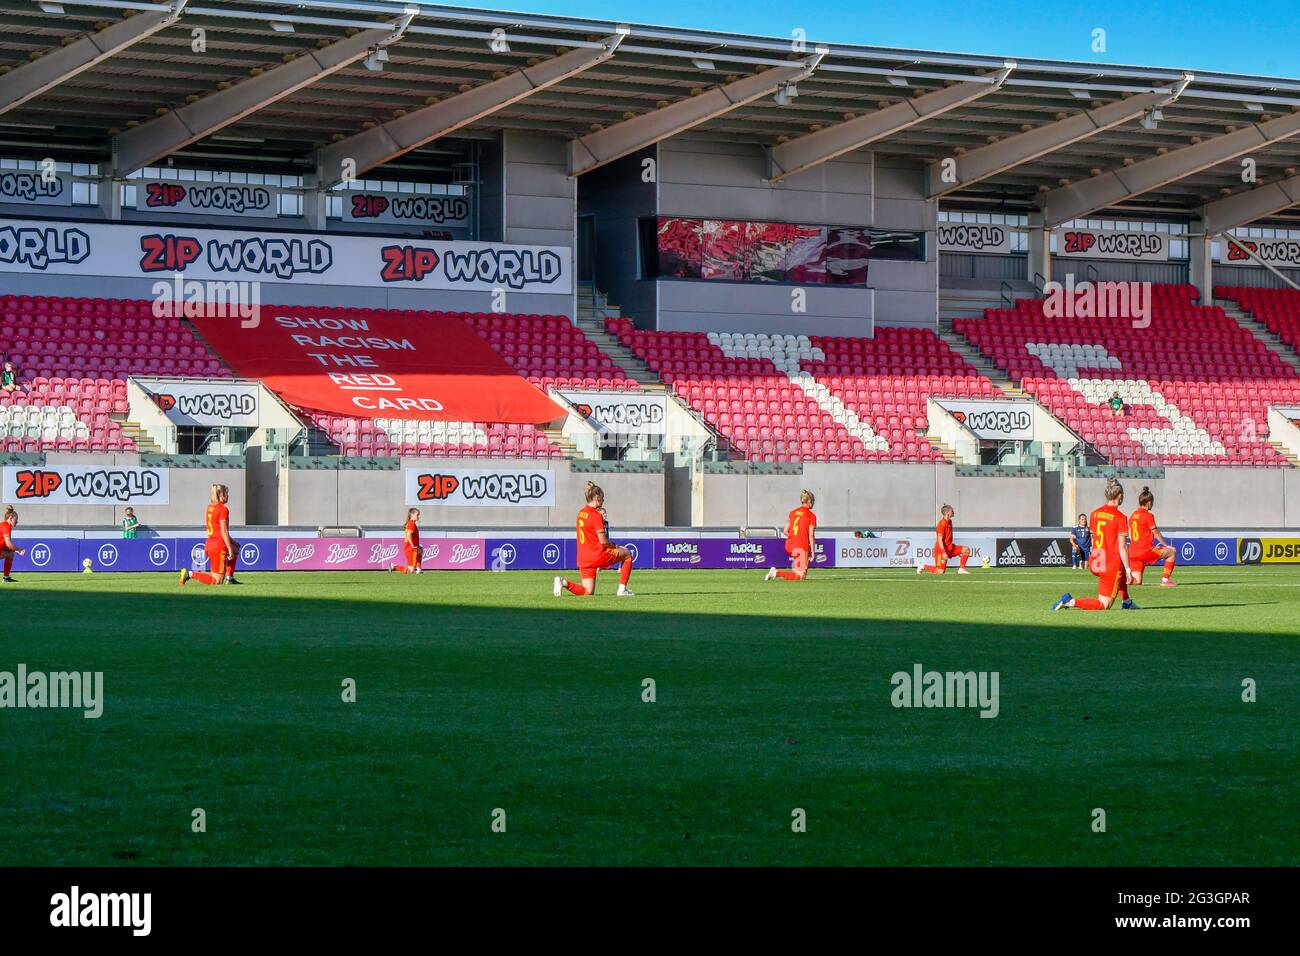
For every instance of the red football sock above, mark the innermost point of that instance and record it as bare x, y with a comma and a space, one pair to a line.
1123, 588
231, 562
9, 563
577, 589
788, 575
404, 568
1089, 604
1169, 566
965, 556
625, 572
932, 569
204, 578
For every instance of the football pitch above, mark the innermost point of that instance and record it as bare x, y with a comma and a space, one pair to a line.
482, 699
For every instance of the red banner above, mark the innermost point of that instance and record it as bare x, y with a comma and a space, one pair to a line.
374, 364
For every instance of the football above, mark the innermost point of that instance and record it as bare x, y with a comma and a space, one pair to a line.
86, 566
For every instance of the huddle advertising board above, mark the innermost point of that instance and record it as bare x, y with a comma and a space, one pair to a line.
481, 487
207, 404
124, 250
1002, 421
86, 485
621, 413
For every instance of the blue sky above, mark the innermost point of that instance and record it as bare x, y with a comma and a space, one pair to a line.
1262, 37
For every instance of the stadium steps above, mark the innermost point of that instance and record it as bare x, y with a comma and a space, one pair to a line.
959, 303
1281, 449
556, 437
1272, 341
144, 442
975, 358
949, 454
591, 319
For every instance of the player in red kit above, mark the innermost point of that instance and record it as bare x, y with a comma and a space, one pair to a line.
411, 545
1109, 560
7, 547
800, 540
1144, 537
220, 547
595, 551
943, 546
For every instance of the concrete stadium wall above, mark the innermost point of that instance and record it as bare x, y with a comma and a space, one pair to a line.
1209, 497
871, 496
726, 181
347, 498
190, 490
616, 197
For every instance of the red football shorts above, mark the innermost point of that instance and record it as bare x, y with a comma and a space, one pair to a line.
216, 552
1139, 561
606, 560
414, 556
1108, 584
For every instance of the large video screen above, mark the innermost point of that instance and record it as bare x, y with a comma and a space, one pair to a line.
677, 247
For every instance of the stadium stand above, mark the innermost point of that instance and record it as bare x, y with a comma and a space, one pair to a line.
1195, 385
811, 398
76, 355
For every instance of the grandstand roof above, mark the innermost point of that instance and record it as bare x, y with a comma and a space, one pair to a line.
445, 51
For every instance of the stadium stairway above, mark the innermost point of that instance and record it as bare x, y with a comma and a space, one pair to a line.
975, 358
144, 442
1270, 339
591, 319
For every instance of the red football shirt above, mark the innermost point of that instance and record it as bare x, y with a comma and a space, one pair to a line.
217, 513
413, 530
798, 527
943, 535
1142, 530
590, 523
1108, 524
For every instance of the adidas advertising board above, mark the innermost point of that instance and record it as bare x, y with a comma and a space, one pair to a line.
1033, 552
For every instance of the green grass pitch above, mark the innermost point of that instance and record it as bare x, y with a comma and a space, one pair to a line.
478, 691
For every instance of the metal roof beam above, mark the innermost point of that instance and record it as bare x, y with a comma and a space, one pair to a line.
149, 142
387, 141
986, 161
1244, 208
805, 152
606, 145
1078, 199
30, 80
